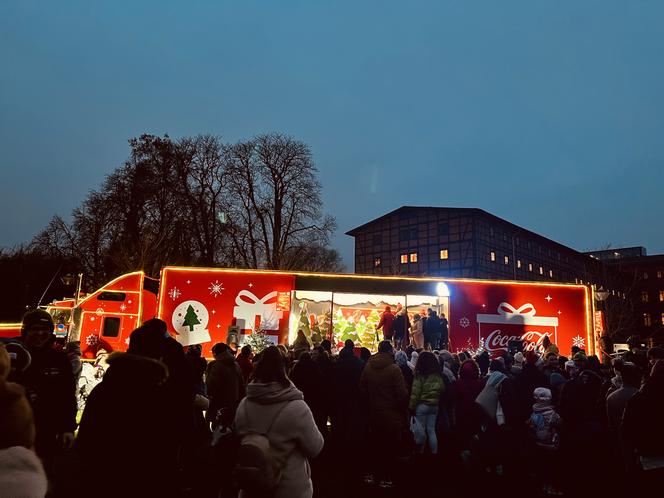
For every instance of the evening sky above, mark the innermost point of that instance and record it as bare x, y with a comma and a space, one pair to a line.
547, 113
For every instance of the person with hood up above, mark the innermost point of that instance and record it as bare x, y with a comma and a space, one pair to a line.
225, 386
417, 334
275, 407
383, 386
300, 344
427, 388
468, 414
129, 418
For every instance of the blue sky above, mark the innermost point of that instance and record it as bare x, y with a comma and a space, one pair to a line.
549, 114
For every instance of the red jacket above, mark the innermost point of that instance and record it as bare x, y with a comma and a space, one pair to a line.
386, 322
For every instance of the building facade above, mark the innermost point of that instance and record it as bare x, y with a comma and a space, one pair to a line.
467, 243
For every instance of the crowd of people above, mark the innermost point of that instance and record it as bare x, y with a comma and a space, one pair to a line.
303, 420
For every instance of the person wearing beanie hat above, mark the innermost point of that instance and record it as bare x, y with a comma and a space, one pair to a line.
21, 471
544, 428
50, 387
519, 359
544, 423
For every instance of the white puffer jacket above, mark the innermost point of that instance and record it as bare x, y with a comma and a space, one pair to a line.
293, 436
21, 474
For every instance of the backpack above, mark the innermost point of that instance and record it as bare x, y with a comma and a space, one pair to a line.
257, 469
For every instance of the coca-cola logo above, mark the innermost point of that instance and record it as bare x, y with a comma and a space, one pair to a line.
532, 339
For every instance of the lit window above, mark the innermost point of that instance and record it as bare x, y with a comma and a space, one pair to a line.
413, 257
663, 318
492, 255
404, 258
550, 273
518, 263
644, 296
541, 271
530, 267
647, 321
507, 260
376, 262
661, 295
444, 254
645, 275
659, 273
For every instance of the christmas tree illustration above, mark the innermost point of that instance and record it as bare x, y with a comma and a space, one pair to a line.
190, 318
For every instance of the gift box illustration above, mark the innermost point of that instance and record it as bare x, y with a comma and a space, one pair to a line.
515, 324
251, 312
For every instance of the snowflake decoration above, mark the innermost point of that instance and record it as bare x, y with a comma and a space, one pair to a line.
100, 311
216, 288
123, 307
174, 293
464, 322
92, 340
579, 342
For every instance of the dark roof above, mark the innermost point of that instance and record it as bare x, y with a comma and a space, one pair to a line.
481, 212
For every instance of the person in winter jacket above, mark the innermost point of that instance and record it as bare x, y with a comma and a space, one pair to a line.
21, 471
417, 334
383, 386
225, 386
244, 360
433, 330
129, 418
427, 388
301, 344
643, 430
386, 323
544, 423
544, 427
445, 333
307, 378
401, 359
401, 327
468, 414
49, 385
273, 402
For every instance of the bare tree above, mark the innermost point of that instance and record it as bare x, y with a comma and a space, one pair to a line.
274, 203
197, 201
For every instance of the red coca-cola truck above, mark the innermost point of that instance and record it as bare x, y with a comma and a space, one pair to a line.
209, 305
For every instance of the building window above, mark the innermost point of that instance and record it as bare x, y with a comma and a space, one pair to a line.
644, 296
530, 267
659, 273
541, 271
444, 254
443, 229
404, 258
647, 321
406, 234
376, 262
506, 259
663, 318
550, 273
377, 239
661, 295
645, 275
413, 257
492, 256
518, 263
